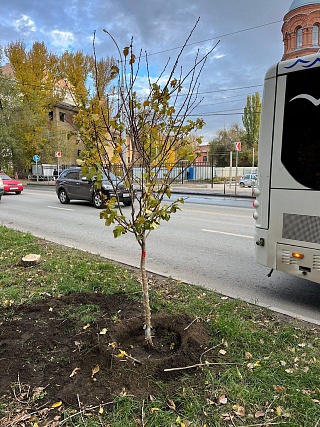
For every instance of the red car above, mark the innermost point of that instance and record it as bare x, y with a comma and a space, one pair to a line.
11, 185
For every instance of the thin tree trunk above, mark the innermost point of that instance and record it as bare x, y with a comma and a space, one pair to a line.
145, 292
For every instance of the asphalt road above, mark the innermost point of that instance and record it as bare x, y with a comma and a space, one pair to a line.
210, 243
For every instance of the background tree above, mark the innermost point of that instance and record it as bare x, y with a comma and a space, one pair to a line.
43, 80
251, 122
10, 106
151, 129
36, 74
75, 69
223, 143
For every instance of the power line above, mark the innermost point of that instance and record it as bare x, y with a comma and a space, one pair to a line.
217, 37
227, 90
235, 98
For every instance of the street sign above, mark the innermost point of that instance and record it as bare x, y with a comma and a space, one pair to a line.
58, 154
36, 158
237, 146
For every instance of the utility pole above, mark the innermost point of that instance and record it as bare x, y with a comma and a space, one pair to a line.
230, 172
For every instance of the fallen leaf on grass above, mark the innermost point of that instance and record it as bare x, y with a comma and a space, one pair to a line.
86, 326
227, 417
183, 423
103, 331
171, 404
259, 414
238, 372
289, 371
223, 400
251, 366
279, 388
239, 410
286, 415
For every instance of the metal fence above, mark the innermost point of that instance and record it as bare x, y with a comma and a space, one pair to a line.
193, 173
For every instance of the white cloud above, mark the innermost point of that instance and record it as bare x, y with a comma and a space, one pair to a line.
25, 25
249, 32
62, 39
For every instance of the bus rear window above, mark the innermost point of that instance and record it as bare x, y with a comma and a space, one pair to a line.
300, 153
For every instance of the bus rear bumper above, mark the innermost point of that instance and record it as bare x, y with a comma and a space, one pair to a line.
298, 261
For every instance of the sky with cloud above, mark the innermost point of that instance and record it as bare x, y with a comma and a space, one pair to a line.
248, 33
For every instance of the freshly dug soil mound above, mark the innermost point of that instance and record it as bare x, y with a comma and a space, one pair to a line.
45, 347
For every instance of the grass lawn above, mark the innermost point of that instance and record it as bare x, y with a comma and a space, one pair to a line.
240, 365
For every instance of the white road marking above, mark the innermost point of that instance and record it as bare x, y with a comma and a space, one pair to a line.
62, 209
229, 234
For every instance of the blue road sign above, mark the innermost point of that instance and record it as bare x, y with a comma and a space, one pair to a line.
36, 158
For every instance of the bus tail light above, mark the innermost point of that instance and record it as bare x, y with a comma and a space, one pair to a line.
297, 255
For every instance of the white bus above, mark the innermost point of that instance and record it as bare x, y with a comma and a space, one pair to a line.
287, 234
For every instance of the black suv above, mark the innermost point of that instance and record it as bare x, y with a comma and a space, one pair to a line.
71, 184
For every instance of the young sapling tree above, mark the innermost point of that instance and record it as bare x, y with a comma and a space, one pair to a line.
150, 138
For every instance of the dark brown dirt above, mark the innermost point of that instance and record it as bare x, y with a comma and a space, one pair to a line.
43, 349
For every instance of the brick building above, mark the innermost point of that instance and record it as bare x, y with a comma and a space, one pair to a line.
301, 29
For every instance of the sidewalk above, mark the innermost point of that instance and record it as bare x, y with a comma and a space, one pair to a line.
220, 190
217, 190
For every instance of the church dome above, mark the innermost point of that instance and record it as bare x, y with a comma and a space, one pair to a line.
299, 3
301, 29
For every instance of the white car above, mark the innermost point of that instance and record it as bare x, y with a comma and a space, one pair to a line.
248, 180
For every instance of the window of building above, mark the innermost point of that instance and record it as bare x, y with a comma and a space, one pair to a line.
315, 35
299, 38
62, 117
50, 115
